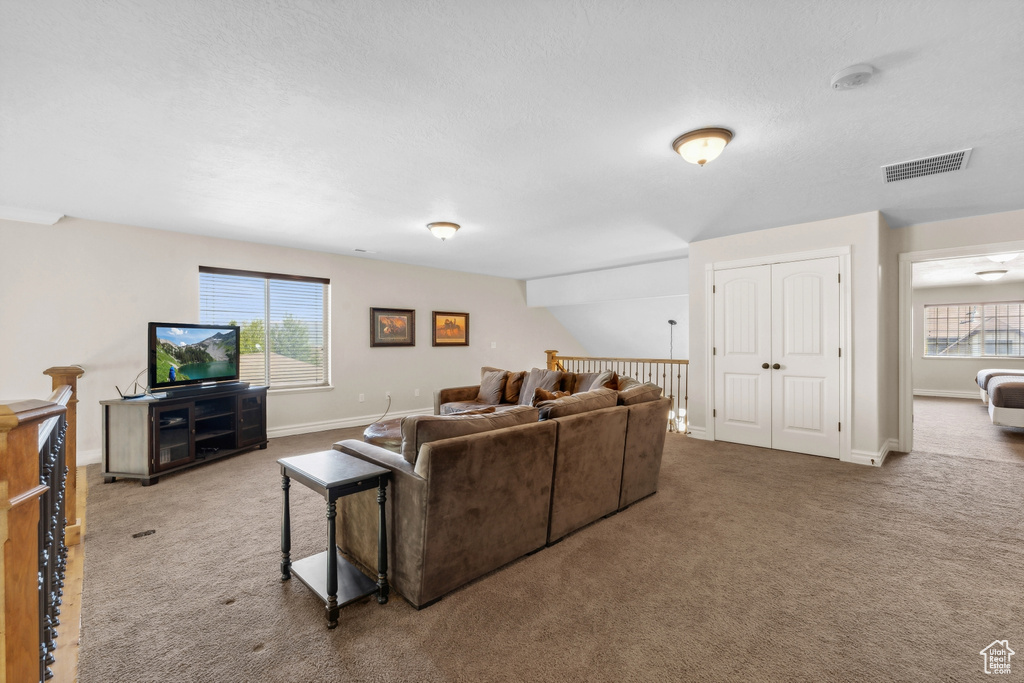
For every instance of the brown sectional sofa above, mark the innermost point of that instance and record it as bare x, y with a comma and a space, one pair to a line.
471, 493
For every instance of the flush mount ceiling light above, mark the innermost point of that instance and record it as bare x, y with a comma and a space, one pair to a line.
1002, 258
442, 231
991, 274
701, 146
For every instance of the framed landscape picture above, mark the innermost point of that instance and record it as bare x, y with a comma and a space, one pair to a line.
392, 327
451, 329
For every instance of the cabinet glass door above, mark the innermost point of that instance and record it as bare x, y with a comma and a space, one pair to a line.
250, 419
173, 435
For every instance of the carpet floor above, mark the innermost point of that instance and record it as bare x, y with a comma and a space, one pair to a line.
748, 564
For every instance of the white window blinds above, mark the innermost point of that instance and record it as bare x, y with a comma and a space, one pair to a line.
974, 330
283, 322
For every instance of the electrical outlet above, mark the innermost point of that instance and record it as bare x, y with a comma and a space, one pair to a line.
362, 397
415, 392
494, 345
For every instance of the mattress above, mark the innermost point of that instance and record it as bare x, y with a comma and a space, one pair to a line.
985, 376
1006, 391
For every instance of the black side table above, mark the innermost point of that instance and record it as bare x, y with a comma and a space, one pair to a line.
333, 475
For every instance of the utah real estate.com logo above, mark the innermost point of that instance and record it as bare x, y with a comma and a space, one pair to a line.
997, 657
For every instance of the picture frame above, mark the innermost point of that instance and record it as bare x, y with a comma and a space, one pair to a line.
392, 327
449, 329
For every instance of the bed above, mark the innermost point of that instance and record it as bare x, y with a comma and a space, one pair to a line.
985, 376
1006, 400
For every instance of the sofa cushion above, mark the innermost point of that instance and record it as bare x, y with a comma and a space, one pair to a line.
538, 379
476, 411
578, 403
453, 407
420, 429
641, 393
588, 381
492, 386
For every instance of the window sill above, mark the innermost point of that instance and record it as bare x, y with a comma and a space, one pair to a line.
299, 390
991, 358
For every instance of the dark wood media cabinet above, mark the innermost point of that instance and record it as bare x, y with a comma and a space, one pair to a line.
149, 436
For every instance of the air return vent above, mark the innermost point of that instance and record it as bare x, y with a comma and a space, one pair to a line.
942, 163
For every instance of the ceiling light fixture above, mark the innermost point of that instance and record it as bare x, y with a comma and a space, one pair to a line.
991, 274
443, 231
1002, 258
701, 146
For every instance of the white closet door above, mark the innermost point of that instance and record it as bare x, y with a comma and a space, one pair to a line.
777, 356
805, 346
743, 392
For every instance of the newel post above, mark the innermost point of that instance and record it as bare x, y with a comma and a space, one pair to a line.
552, 359
68, 375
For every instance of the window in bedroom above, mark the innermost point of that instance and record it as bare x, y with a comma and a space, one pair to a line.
974, 330
282, 320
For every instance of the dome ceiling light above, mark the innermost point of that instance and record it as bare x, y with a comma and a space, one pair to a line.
703, 145
442, 230
1002, 258
991, 274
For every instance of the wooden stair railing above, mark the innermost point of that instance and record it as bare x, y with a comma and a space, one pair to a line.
33, 551
670, 374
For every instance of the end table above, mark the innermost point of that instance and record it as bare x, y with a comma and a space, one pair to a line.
333, 475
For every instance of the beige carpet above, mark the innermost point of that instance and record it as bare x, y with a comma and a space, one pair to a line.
748, 565
959, 426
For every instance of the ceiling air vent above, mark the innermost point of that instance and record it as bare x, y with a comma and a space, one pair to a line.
943, 163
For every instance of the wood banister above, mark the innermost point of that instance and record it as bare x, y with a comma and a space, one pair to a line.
67, 375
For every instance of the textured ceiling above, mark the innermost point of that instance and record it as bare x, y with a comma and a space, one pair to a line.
543, 127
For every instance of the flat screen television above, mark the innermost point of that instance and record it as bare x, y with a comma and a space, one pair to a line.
183, 353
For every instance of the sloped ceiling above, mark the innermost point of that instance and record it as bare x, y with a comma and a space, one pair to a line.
543, 127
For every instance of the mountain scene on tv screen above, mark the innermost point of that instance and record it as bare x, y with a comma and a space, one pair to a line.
212, 358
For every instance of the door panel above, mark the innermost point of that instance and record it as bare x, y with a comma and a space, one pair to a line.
743, 344
805, 388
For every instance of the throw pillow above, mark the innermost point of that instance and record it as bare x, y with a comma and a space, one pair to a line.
627, 383
544, 395
578, 403
492, 386
607, 379
513, 386
538, 379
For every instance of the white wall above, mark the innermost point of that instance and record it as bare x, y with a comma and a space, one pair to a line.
955, 376
621, 312
82, 292
861, 233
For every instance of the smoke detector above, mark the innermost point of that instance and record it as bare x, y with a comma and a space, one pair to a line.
852, 77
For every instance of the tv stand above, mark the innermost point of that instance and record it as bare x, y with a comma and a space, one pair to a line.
144, 438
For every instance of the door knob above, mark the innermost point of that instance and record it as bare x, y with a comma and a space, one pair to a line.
776, 366
764, 366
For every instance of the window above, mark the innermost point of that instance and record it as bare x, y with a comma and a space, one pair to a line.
282, 321
974, 330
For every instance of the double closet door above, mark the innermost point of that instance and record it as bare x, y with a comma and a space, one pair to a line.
777, 356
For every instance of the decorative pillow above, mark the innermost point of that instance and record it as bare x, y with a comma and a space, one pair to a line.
578, 403
543, 395
513, 386
492, 386
419, 429
607, 379
538, 379
627, 383
641, 393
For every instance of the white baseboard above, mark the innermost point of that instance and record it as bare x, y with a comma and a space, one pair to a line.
874, 459
698, 433
359, 421
88, 457
946, 394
